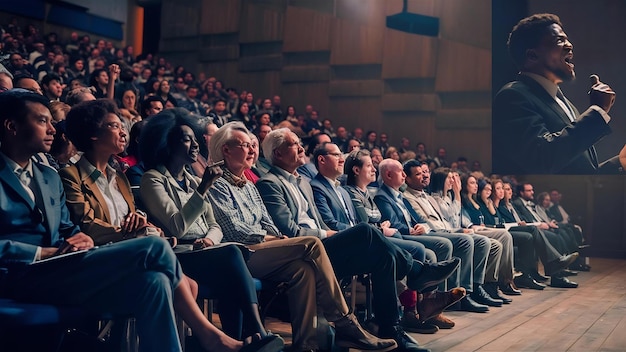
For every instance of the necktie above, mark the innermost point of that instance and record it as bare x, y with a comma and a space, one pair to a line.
563, 103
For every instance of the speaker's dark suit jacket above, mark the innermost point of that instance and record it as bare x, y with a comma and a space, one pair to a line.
533, 135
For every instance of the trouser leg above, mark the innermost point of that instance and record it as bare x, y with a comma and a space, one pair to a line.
482, 246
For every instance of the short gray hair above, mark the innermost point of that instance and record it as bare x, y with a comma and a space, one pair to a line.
224, 135
273, 141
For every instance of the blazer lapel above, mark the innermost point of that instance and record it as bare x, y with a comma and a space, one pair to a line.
543, 95
7, 175
89, 184
45, 199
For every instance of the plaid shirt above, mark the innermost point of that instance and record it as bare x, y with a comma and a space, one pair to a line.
240, 212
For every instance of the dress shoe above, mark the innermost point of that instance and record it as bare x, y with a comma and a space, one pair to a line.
411, 323
350, 334
509, 288
562, 282
431, 274
441, 321
559, 264
579, 267
482, 297
468, 305
564, 273
269, 343
402, 339
527, 281
538, 277
433, 303
492, 289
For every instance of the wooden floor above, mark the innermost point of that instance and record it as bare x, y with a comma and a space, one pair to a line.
591, 317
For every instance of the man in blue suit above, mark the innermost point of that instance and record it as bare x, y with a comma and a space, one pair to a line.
139, 277
397, 209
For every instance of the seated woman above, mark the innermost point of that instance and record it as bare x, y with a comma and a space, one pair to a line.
360, 172
101, 203
523, 240
504, 275
179, 202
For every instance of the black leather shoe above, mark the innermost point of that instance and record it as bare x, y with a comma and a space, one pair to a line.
565, 272
526, 281
538, 277
432, 274
468, 305
492, 289
580, 267
559, 264
482, 297
562, 282
509, 288
404, 341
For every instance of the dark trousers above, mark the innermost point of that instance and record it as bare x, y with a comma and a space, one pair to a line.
544, 249
134, 277
224, 273
364, 249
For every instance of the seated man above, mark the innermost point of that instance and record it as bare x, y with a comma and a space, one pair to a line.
525, 207
417, 181
395, 208
357, 250
139, 277
559, 214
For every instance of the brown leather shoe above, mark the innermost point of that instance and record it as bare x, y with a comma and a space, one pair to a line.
432, 304
350, 334
441, 321
411, 323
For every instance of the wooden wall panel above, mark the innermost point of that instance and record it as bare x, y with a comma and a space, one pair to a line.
306, 30
472, 144
410, 102
179, 18
263, 84
465, 21
408, 55
355, 112
220, 16
464, 119
304, 93
462, 67
416, 126
367, 12
261, 24
325, 6
423, 7
353, 44
355, 88
295, 74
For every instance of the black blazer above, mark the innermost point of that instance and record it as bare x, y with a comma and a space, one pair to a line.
533, 135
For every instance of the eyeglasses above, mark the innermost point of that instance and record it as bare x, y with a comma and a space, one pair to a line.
338, 155
244, 145
115, 126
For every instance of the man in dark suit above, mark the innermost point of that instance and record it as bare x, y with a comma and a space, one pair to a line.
525, 207
356, 250
536, 130
139, 277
